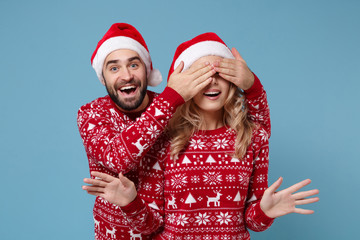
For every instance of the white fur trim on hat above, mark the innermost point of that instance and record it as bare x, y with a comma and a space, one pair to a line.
117, 43
154, 78
202, 49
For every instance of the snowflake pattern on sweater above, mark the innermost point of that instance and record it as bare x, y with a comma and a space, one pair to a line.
108, 133
207, 193
116, 142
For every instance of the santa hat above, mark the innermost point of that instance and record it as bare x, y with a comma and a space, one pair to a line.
124, 36
203, 45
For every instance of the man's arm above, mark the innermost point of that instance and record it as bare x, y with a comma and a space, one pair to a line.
143, 208
146, 213
118, 143
142, 217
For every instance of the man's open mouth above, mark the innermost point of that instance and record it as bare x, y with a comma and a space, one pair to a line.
128, 89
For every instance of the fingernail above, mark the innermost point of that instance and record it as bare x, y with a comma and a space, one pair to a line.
207, 63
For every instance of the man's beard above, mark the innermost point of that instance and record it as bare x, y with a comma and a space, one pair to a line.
126, 105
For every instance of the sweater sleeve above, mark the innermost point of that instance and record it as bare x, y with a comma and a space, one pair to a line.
146, 213
258, 106
143, 217
255, 218
117, 145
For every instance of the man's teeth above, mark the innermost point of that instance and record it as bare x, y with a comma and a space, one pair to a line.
127, 88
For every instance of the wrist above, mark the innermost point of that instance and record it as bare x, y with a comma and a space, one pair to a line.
249, 83
255, 90
132, 205
267, 211
172, 96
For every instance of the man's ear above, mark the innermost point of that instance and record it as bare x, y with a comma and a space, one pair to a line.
102, 79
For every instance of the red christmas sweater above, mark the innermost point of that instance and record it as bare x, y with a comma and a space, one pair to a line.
207, 193
116, 142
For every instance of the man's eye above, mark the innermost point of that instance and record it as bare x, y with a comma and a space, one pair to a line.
113, 69
134, 65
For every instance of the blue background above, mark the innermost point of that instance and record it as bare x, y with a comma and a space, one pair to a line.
305, 52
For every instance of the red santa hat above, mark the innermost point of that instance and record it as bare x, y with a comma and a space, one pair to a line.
206, 44
124, 36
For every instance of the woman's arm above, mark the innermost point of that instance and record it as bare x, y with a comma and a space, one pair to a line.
265, 204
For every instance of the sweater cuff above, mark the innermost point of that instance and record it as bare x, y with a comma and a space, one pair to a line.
255, 90
261, 216
133, 207
172, 96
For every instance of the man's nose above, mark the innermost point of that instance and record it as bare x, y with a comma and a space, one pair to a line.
126, 74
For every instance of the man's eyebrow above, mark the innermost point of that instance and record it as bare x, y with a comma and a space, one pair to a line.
129, 60
134, 58
111, 61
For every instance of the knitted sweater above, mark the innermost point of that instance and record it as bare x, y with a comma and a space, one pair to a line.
207, 193
116, 142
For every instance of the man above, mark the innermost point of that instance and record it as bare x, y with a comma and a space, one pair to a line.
120, 128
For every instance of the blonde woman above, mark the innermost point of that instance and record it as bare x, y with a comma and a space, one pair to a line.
209, 181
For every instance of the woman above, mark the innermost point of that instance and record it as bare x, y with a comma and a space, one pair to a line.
211, 182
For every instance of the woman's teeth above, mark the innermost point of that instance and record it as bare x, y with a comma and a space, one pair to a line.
211, 94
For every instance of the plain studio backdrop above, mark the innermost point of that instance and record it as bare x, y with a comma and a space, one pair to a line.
306, 54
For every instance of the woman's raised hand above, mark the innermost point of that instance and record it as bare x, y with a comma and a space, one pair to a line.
275, 204
235, 70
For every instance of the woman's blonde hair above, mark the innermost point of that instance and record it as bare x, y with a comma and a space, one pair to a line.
188, 120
